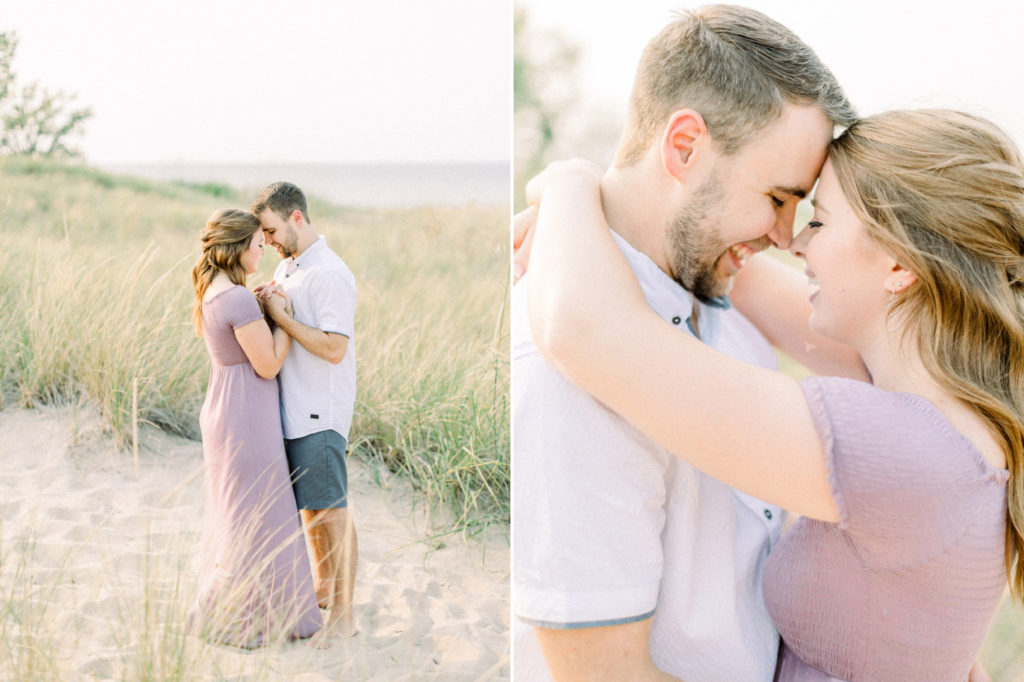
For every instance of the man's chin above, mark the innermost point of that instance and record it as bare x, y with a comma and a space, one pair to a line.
721, 287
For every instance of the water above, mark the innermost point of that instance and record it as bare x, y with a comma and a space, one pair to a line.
362, 185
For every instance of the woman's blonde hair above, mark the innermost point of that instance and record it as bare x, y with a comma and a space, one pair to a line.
225, 238
943, 193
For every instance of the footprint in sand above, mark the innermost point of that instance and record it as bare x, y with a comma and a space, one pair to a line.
10, 511
58, 513
98, 668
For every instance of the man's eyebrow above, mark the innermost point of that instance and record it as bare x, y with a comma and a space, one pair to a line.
793, 191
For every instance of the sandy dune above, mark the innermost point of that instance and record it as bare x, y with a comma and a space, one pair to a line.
98, 562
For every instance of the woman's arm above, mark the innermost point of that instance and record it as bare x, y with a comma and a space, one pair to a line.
748, 427
266, 350
774, 297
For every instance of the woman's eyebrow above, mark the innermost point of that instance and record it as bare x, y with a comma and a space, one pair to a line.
817, 205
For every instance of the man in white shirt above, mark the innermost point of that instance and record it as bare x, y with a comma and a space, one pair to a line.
318, 388
629, 563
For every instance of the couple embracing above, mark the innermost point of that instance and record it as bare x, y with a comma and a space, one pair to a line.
275, 425
655, 446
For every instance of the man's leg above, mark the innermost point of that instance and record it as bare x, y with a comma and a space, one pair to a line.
332, 537
321, 480
319, 543
335, 547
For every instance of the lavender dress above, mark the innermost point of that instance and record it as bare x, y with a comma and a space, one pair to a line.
256, 583
905, 586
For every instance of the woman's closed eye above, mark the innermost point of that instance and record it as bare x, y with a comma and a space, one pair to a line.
814, 224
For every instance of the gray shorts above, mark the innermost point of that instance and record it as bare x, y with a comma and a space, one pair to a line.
319, 474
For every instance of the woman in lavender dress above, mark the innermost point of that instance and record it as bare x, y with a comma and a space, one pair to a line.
908, 472
256, 585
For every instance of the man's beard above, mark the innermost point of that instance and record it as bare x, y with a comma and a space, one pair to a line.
290, 244
695, 246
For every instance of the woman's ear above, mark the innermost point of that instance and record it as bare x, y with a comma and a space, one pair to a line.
899, 279
682, 142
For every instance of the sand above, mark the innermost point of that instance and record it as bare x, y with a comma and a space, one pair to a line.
98, 563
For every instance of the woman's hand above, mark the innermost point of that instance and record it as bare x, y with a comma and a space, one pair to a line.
581, 168
278, 303
978, 673
522, 239
524, 222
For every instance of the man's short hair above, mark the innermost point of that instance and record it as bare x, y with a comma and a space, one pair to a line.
282, 198
737, 68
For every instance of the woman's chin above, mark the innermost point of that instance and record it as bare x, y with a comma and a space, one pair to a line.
816, 326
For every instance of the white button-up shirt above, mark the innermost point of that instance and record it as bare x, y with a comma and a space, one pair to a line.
611, 528
316, 395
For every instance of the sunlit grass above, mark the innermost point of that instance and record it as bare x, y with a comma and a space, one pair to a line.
95, 294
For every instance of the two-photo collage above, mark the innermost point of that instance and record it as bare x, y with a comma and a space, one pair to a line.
522, 340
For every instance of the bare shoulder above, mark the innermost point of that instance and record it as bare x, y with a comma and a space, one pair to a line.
219, 286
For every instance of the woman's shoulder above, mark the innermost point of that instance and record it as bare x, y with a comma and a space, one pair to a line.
897, 428
843, 399
234, 293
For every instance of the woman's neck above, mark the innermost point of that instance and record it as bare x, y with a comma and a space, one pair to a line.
895, 365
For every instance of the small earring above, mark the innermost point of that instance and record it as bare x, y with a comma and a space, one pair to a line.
892, 303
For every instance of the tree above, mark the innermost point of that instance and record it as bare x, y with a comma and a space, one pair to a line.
544, 69
34, 120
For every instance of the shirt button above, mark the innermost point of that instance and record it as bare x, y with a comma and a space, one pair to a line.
768, 514
676, 319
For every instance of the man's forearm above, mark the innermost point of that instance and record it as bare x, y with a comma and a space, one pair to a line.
613, 652
329, 347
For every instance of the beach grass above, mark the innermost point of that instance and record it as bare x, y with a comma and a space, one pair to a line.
102, 566
95, 295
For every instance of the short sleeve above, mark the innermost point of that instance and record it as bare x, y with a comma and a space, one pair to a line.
906, 483
589, 506
241, 309
333, 297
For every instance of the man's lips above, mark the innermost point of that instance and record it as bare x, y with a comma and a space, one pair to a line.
738, 253
742, 251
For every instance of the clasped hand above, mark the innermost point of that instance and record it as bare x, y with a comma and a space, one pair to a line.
274, 300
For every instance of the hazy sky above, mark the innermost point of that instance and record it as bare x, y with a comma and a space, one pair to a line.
886, 53
262, 80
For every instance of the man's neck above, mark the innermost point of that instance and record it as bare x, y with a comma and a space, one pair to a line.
633, 207
307, 238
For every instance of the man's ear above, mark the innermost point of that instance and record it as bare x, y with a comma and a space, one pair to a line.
296, 217
682, 142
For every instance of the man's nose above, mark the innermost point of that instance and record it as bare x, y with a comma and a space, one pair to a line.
781, 233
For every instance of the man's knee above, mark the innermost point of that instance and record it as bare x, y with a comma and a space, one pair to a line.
337, 517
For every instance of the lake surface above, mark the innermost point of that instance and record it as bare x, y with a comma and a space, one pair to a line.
362, 185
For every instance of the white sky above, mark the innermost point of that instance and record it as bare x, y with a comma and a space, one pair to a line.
886, 54
276, 81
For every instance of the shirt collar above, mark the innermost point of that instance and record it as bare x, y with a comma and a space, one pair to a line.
309, 253
668, 298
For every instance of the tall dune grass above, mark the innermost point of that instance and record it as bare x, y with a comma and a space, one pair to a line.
95, 293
